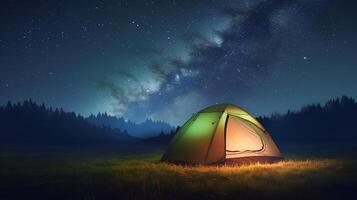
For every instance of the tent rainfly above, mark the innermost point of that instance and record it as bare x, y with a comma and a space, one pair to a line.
220, 134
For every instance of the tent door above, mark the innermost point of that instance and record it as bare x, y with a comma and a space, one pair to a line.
241, 138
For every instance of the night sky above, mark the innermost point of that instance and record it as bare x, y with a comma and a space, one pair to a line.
165, 60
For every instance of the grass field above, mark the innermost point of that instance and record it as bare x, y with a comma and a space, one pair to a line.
142, 176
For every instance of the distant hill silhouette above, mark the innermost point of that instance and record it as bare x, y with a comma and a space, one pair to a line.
334, 122
148, 128
30, 123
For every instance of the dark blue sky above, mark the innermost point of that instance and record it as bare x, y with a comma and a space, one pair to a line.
166, 59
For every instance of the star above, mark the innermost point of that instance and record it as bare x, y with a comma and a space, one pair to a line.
177, 77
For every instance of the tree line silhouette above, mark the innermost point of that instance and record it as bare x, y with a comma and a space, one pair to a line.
148, 128
333, 122
30, 123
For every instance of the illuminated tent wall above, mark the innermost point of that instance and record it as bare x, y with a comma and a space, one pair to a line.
222, 133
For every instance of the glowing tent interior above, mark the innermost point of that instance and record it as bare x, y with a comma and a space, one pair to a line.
219, 134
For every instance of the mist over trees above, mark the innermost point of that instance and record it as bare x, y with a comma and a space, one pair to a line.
148, 128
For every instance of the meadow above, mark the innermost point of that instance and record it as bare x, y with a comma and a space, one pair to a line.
142, 176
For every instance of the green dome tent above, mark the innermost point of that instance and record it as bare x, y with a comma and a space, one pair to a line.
222, 133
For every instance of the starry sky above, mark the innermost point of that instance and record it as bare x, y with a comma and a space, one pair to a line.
165, 60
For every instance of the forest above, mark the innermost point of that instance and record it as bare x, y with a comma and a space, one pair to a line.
31, 123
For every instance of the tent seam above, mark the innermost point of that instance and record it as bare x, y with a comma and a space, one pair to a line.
211, 141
